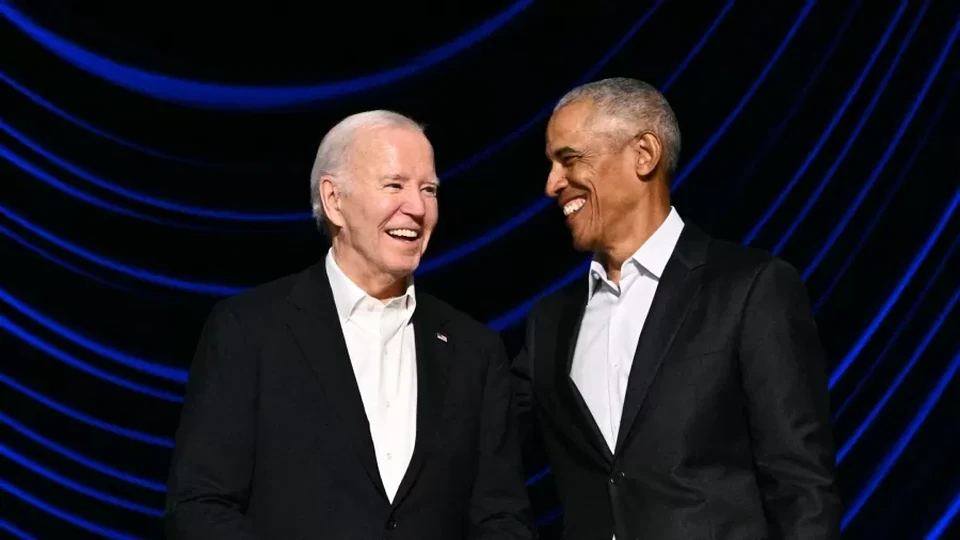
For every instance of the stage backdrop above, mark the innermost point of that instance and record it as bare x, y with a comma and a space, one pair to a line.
156, 159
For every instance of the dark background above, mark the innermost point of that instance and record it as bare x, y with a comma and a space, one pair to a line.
140, 182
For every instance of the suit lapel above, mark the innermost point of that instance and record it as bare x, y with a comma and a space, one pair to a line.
317, 329
570, 397
433, 367
678, 287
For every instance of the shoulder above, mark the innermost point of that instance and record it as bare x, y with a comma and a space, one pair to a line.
257, 303
746, 264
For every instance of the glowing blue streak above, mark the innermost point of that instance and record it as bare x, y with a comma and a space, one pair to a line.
891, 148
93, 129
862, 382
132, 362
901, 376
852, 93
46, 178
139, 273
223, 96
85, 418
35, 467
139, 197
895, 294
878, 93
65, 516
43, 253
516, 314
705, 149
879, 213
774, 136
463, 250
17, 533
76, 363
78, 458
903, 441
945, 520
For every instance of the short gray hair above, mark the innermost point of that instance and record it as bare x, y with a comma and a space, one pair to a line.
638, 104
334, 151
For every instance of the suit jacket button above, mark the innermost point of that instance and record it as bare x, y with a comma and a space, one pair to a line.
615, 478
391, 524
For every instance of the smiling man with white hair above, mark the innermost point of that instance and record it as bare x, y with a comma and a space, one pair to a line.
340, 402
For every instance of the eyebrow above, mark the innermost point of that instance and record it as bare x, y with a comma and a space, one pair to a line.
403, 178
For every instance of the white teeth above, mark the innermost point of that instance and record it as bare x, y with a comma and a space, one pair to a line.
404, 233
573, 206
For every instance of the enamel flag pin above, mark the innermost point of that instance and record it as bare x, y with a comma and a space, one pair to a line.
442, 337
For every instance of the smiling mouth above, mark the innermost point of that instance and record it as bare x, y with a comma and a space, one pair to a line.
574, 206
405, 235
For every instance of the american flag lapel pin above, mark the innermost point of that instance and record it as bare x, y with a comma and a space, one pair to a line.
442, 337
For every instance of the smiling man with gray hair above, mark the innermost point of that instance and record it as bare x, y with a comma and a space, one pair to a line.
680, 385
340, 402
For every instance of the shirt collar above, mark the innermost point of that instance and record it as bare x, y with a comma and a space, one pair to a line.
653, 255
347, 295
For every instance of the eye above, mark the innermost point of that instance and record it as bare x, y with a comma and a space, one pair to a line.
394, 186
431, 190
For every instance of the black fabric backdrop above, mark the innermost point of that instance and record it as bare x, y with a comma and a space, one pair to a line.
156, 158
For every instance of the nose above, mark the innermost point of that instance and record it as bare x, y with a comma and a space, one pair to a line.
413, 202
556, 182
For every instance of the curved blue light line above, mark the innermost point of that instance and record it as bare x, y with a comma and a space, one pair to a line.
73, 485
945, 520
815, 196
85, 418
61, 514
901, 376
495, 147
516, 314
58, 261
140, 197
865, 378
81, 459
891, 458
891, 148
895, 294
879, 212
132, 362
538, 477
93, 129
467, 248
225, 96
17, 533
705, 149
139, 273
841, 110
46, 178
774, 136
76, 363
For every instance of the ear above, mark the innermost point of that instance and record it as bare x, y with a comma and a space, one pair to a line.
649, 151
330, 197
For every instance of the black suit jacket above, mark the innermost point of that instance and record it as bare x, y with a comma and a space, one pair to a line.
725, 432
274, 442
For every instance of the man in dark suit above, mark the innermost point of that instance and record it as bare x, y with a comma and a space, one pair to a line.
680, 388
340, 402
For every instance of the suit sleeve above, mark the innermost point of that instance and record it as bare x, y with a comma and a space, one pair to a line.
213, 457
521, 373
784, 375
500, 507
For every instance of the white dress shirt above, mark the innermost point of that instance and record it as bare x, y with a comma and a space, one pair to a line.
612, 322
380, 341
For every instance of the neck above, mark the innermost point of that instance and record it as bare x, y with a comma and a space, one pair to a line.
379, 285
629, 234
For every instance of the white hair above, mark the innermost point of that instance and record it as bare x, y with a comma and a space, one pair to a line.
334, 151
639, 105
